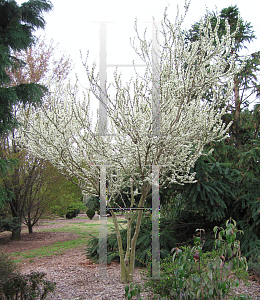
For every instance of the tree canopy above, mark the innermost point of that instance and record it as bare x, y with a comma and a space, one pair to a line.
62, 133
17, 24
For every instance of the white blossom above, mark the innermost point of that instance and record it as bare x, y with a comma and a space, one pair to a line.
61, 131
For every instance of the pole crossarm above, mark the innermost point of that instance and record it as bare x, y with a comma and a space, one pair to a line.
130, 208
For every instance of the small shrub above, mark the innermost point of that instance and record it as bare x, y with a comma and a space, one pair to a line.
254, 264
72, 214
26, 287
132, 290
74, 209
9, 224
70, 211
90, 213
7, 266
191, 274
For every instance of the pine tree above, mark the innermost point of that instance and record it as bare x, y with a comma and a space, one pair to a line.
17, 24
41, 63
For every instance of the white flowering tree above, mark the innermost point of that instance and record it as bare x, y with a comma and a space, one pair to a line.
62, 131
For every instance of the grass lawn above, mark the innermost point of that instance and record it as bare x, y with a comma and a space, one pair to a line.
85, 230
50, 250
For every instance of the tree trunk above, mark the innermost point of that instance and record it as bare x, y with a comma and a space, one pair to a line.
29, 223
127, 265
16, 234
30, 228
133, 246
237, 114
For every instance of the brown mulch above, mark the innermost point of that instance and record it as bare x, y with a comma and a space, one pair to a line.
76, 277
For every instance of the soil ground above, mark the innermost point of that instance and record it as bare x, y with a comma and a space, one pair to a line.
76, 277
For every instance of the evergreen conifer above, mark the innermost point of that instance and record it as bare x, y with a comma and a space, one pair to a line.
17, 24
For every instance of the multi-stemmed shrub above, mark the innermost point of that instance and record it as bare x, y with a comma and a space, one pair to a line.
143, 245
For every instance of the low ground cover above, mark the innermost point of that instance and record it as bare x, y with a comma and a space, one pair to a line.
80, 232
54, 249
73, 233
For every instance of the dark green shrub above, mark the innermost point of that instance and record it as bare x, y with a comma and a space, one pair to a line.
72, 214
74, 209
9, 224
90, 213
70, 211
25, 287
7, 266
93, 203
254, 264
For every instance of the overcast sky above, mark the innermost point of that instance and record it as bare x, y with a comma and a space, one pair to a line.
71, 24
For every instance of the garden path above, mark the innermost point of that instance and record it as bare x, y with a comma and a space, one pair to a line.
77, 278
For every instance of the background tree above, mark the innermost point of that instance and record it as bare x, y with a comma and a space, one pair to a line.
30, 177
228, 180
62, 133
42, 63
29, 186
17, 24
64, 195
38, 187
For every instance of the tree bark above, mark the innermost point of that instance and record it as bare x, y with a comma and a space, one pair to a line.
16, 233
237, 114
30, 228
127, 265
